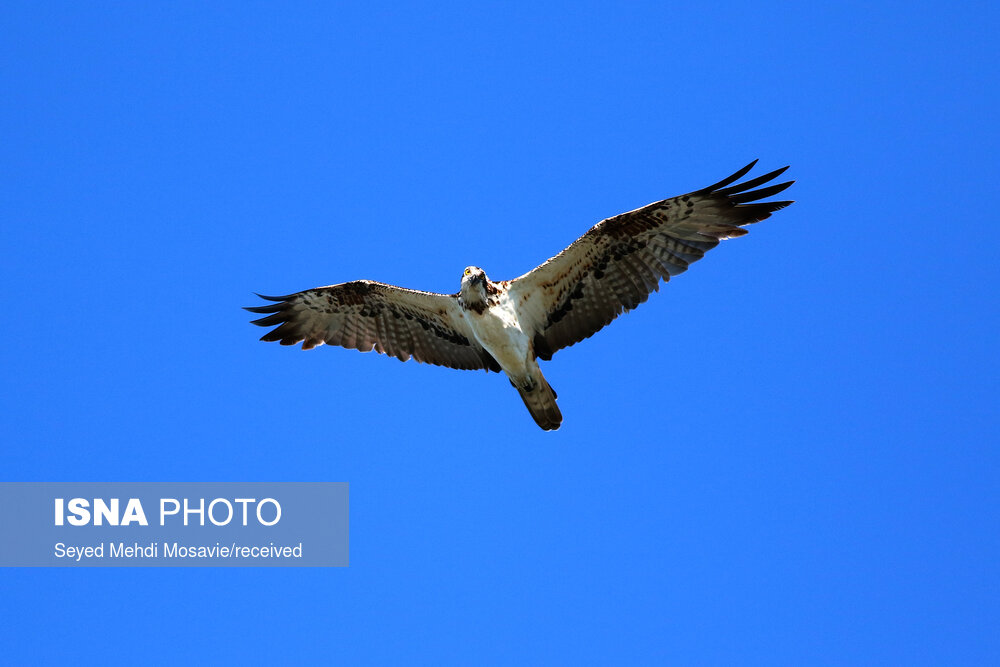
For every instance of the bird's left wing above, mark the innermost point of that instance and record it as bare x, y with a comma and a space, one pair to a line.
365, 315
620, 261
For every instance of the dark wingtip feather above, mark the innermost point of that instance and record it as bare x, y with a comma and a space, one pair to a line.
752, 183
762, 193
730, 179
274, 298
747, 214
270, 309
270, 320
265, 309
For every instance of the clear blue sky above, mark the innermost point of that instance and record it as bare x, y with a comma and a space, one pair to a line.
787, 456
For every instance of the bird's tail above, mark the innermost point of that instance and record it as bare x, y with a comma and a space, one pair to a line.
540, 400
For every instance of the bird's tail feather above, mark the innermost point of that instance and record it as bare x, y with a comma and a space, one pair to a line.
540, 399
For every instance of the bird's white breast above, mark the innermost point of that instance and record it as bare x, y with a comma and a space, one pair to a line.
499, 330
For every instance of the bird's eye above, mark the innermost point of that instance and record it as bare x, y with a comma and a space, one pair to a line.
468, 271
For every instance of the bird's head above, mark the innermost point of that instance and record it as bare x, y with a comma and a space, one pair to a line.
473, 276
474, 282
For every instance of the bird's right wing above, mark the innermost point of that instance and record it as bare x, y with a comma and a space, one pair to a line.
365, 315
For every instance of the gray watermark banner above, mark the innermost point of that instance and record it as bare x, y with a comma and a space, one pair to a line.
168, 524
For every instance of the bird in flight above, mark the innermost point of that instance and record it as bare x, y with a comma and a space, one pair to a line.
509, 325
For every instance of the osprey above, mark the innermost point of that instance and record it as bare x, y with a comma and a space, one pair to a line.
509, 325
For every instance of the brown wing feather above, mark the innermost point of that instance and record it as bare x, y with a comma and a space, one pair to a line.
366, 315
620, 261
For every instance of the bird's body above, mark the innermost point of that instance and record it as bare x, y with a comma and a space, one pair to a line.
507, 326
499, 329
492, 313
